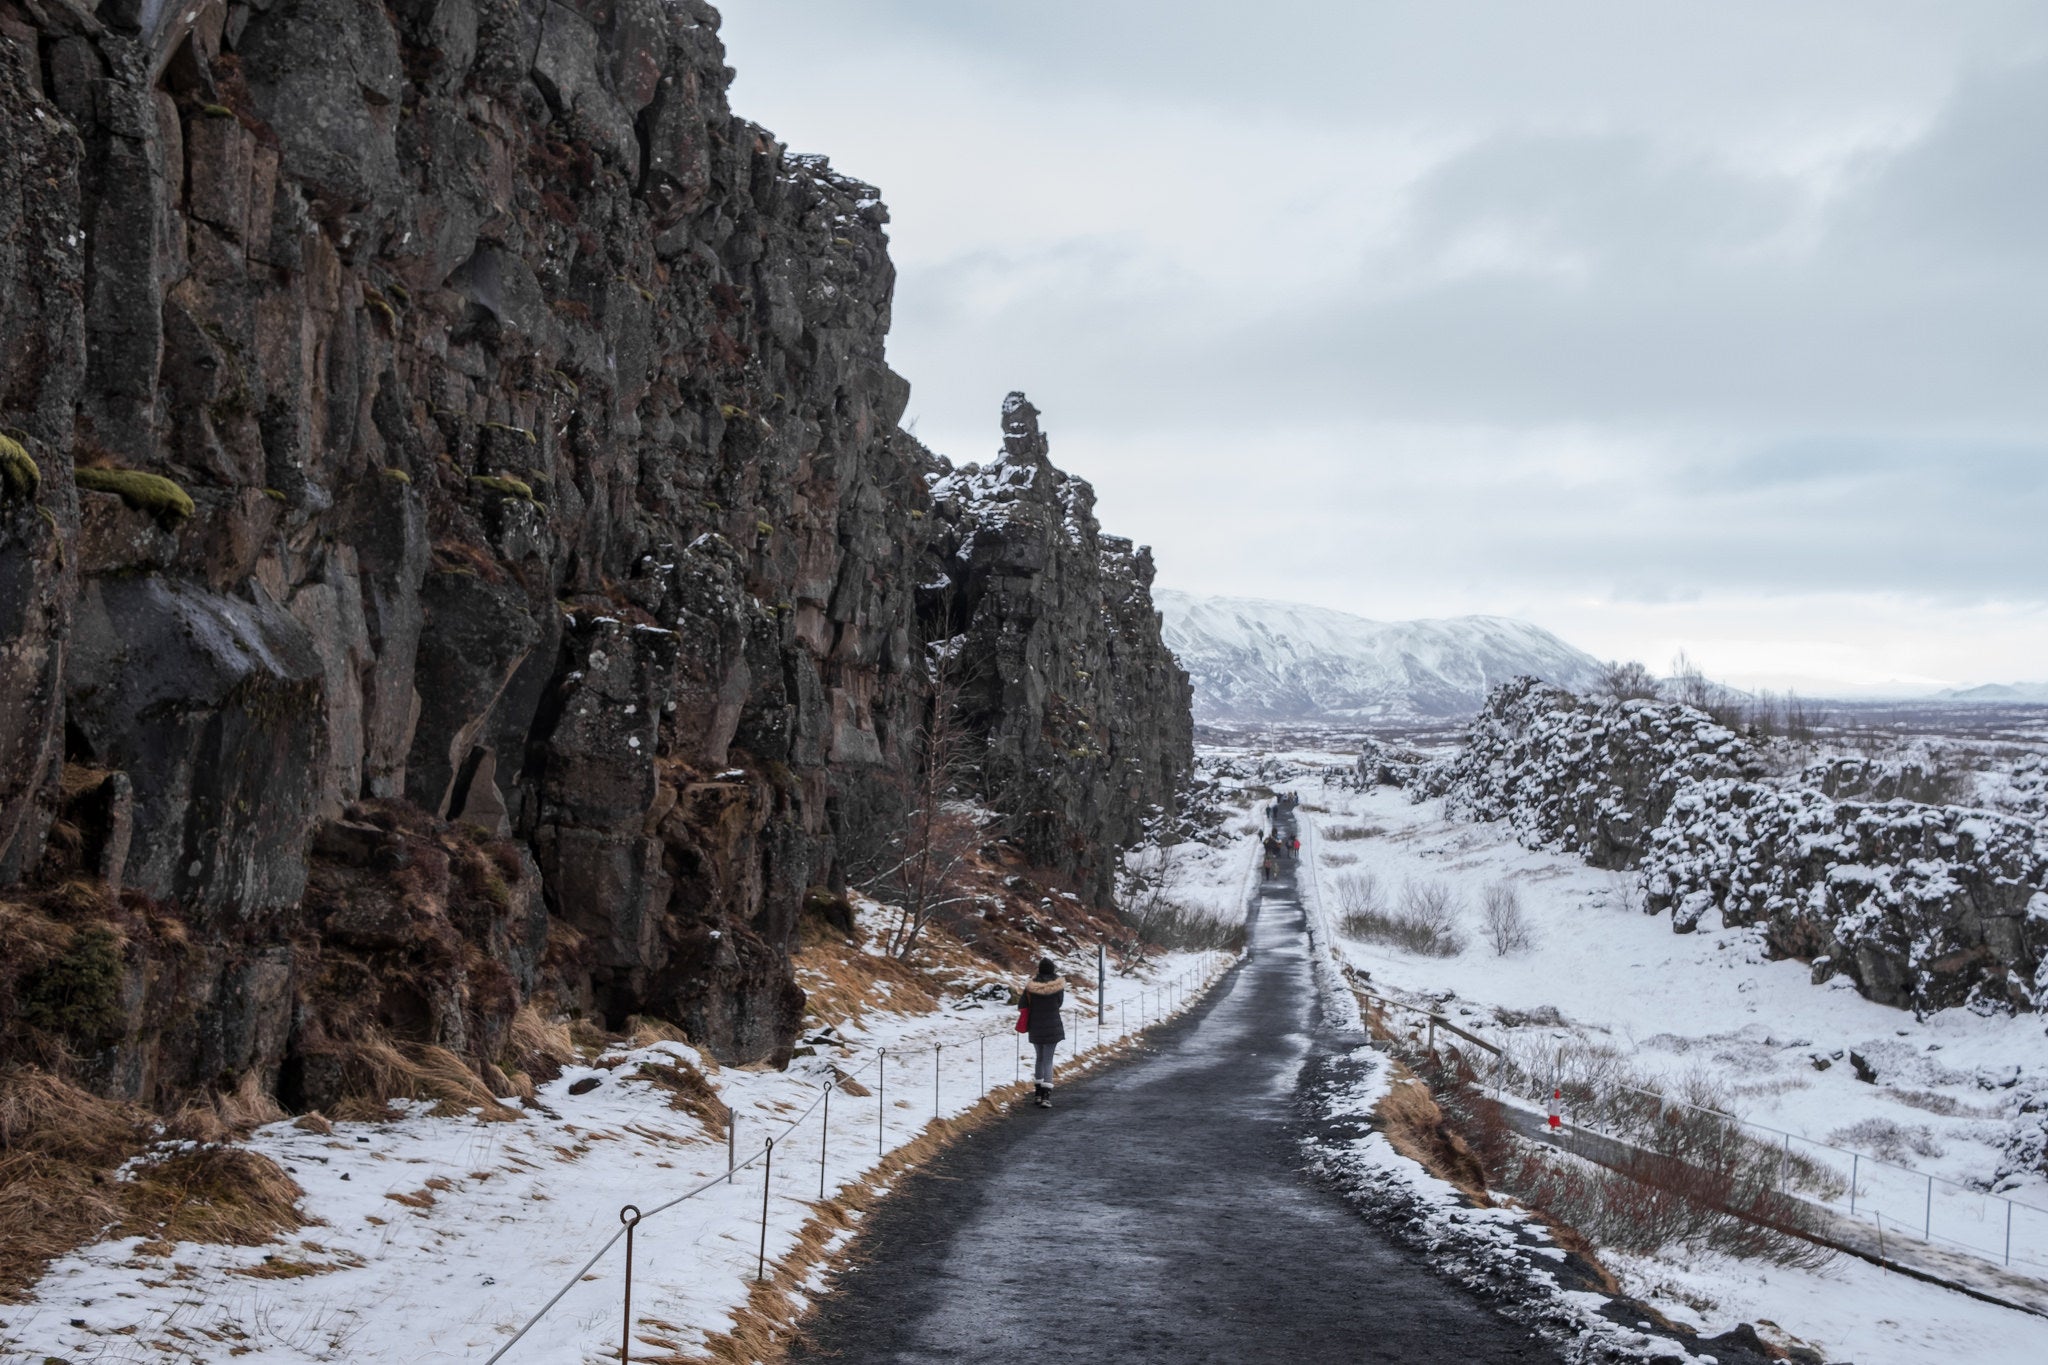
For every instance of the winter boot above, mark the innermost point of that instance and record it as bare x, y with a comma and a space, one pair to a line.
1045, 1097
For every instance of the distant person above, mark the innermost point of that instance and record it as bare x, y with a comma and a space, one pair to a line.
1044, 994
1272, 854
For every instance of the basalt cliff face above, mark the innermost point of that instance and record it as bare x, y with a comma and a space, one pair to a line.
456, 543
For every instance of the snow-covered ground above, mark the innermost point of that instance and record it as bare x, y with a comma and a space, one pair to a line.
1710, 1005
434, 1239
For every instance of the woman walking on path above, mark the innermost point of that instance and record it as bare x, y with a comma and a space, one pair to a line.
1043, 996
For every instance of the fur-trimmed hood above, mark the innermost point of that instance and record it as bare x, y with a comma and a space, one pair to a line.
1052, 987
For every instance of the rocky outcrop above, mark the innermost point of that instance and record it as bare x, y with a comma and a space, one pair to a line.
1587, 776
1080, 715
448, 411
1924, 907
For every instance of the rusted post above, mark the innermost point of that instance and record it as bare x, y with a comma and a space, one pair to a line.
630, 1216
767, 1173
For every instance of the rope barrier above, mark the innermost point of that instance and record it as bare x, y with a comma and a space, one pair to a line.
631, 1217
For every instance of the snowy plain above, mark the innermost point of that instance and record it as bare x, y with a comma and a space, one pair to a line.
435, 1239
1711, 1005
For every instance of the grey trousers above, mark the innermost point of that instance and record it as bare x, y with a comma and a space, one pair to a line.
1041, 1073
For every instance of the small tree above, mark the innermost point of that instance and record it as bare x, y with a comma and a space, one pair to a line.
941, 831
1689, 685
1507, 928
1629, 681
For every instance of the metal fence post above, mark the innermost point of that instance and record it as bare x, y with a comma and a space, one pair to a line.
984, 1064
824, 1138
881, 1096
1855, 1165
630, 1216
935, 1078
1927, 1232
767, 1172
732, 1131
2008, 1232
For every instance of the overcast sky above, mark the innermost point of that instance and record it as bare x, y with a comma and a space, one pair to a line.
1662, 323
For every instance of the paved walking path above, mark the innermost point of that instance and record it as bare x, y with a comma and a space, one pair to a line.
1156, 1214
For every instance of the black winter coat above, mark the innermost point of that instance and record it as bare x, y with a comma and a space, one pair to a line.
1043, 999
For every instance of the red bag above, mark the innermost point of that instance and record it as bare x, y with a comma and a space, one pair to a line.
1024, 1019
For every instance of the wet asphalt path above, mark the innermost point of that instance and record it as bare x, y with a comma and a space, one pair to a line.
1156, 1213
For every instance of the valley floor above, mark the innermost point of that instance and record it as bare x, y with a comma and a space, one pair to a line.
1616, 995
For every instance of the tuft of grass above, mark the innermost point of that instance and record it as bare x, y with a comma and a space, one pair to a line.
151, 493
377, 1070
690, 1093
209, 1192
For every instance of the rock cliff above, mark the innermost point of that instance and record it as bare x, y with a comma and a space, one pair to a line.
456, 542
1079, 716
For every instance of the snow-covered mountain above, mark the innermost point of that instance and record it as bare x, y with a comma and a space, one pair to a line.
1258, 660
2011, 693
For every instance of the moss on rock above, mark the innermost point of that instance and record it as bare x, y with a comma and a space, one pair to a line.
504, 485
153, 493
19, 477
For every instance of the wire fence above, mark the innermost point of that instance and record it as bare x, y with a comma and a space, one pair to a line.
1895, 1200
1133, 1013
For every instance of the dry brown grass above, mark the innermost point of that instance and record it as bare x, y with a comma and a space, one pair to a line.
844, 981
1416, 1126
378, 1070
209, 1192
689, 1093
644, 1030
57, 1145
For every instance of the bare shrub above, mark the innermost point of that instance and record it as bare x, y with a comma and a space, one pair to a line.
1692, 687
1653, 1202
1168, 924
1345, 833
1886, 1140
1629, 681
1340, 859
1358, 893
1694, 1179
1507, 927
1425, 922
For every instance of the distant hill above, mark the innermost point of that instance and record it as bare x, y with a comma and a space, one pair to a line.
1252, 659
2021, 693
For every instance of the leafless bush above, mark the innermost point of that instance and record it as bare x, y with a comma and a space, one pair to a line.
1358, 893
1695, 1179
1689, 685
1175, 927
1655, 1201
1344, 833
1629, 681
1426, 921
1507, 928
1888, 1141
